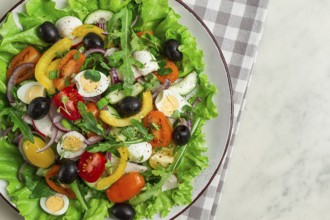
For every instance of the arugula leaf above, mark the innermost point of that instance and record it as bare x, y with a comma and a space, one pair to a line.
138, 125
89, 122
110, 145
16, 118
124, 18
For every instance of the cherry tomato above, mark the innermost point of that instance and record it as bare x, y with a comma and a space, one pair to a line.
27, 55
171, 76
53, 172
67, 101
91, 166
128, 186
71, 63
140, 33
160, 127
92, 107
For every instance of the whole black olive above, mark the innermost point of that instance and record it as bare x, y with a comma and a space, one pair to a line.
68, 172
122, 211
129, 106
48, 32
39, 107
171, 50
92, 40
181, 135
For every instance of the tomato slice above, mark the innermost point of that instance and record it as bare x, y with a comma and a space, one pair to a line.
91, 166
171, 76
71, 63
128, 186
56, 186
92, 107
27, 55
67, 101
160, 127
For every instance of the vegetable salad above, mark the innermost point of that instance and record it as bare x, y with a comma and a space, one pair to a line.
102, 108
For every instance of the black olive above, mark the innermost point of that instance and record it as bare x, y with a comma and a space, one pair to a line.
68, 172
181, 135
39, 108
92, 40
129, 106
48, 32
171, 50
122, 211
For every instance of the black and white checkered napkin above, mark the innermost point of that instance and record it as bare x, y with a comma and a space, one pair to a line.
237, 26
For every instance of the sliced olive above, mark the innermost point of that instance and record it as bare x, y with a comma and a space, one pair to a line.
122, 211
181, 135
39, 108
171, 50
129, 106
92, 40
68, 172
48, 32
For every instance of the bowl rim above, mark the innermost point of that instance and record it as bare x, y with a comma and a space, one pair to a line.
231, 119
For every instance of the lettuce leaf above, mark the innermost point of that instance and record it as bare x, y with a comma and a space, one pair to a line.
170, 28
113, 5
151, 12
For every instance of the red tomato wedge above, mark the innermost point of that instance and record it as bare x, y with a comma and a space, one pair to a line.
91, 166
71, 63
67, 100
171, 76
27, 55
128, 186
55, 186
160, 127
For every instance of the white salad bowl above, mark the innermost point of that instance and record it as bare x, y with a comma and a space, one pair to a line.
217, 131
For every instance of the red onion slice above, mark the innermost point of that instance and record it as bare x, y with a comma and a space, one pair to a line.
20, 171
7, 131
114, 76
56, 117
51, 141
160, 88
93, 140
27, 119
94, 50
94, 99
13, 78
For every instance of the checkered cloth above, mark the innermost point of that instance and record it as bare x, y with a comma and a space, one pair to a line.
237, 26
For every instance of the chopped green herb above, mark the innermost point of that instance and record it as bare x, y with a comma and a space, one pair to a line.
93, 75
53, 74
76, 56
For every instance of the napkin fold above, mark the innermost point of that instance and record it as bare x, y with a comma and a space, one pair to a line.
237, 26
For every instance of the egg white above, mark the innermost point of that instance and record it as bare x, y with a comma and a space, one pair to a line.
164, 102
140, 152
66, 25
104, 85
23, 90
71, 154
65, 199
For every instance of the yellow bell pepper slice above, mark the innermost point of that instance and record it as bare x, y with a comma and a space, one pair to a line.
54, 65
105, 182
113, 120
82, 30
41, 73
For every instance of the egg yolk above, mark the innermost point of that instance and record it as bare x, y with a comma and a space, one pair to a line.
33, 92
88, 85
72, 143
169, 105
54, 203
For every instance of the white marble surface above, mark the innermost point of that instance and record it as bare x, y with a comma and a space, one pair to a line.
280, 167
